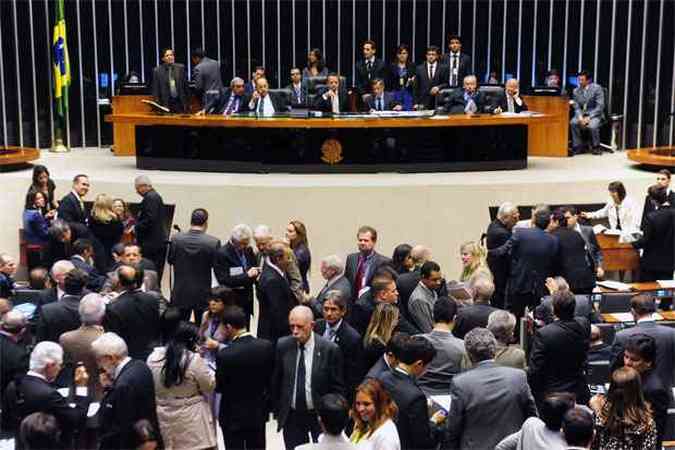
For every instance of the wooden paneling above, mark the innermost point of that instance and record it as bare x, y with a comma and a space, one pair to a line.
549, 138
616, 255
12, 156
658, 156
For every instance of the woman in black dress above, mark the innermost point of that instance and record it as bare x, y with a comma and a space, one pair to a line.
107, 228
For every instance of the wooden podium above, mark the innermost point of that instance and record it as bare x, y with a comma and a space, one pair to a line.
617, 256
550, 138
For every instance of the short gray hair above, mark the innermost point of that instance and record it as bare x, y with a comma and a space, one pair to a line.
483, 288
480, 345
58, 228
506, 209
262, 232
61, 267
334, 262
241, 232
5, 258
13, 320
142, 180
44, 353
502, 323
110, 344
303, 311
92, 309
468, 77
420, 254
236, 80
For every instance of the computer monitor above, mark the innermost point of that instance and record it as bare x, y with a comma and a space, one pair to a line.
572, 81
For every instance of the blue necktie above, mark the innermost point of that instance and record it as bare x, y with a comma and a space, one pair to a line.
379, 104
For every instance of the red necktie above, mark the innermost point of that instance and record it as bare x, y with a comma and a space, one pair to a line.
360, 269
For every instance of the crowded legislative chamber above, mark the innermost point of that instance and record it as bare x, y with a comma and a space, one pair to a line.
337, 224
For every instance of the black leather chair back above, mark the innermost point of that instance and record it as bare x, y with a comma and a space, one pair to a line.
492, 92
444, 95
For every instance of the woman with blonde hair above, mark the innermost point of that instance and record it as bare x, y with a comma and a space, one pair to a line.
624, 420
380, 329
473, 260
296, 235
107, 228
373, 414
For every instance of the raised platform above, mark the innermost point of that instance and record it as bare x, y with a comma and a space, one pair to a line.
15, 158
653, 156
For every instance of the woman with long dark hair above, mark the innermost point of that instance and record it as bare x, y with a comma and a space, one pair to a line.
296, 235
402, 77
401, 259
43, 183
182, 380
316, 66
35, 222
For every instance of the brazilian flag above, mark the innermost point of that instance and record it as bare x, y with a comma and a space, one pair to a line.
61, 64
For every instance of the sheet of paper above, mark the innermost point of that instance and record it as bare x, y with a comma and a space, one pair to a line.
666, 284
93, 409
615, 285
623, 317
442, 400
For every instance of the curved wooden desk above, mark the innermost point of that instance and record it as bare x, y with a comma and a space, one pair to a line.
12, 158
655, 156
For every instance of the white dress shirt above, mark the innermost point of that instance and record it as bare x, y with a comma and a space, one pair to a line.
309, 356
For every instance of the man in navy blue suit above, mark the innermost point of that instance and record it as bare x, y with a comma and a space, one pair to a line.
381, 100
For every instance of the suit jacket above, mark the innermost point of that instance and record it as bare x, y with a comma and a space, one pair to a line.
488, 403
160, 86
575, 264
498, 260
592, 245
299, 99
243, 371
69, 210
30, 394
57, 250
388, 102
659, 397
150, 232
279, 102
327, 376
456, 103
96, 280
502, 102
558, 359
230, 272
415, 430
533, 257
206, 76
658, 241
326, 105
470, 317
649, 207
57, 318
218, 105
589, 102
276, 301
350, 343
14, 358
341, 284
364, 76
77, 347
351, 266
134, 316
463, 69
130, 399
423, 84
192, 255
379, 369
394, 81
583, 308
665, 347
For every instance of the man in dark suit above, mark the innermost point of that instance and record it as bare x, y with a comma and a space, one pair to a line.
206, 75
475, 315
83, 252
468, 100
298, 88
459, 63
274, 295
559, 353
34, 392
586, 232
13, 351
250, 86
430, 78
574, 264
334, 328
264, 103
134, 315
230, 101
361, 266
489, 402
640, 354
242, 378
416, 429
151, 234
583, 309
390, 358
130, 393
663, 180
61, 237
332, 270
369, 68
169, 83
192, 255
63, 315
643, 308
497, 236
235, 267
7, 271
533, 257
334, 99
307, 368
658, 239
511, 101
72, 208
379, 100
599, 350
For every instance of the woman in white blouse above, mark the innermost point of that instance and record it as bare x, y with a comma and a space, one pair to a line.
621, 211
373, 413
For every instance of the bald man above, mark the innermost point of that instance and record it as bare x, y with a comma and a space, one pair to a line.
308, 367
511, 101
468, 100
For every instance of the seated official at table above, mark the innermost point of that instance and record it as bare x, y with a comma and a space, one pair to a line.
334, 98
169, 83
259, 73
430, 78
265, 103
230, 101
589, 113
381, 100
468, 100
511, 101
298, 88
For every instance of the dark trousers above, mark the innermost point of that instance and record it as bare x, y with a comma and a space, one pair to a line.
253, 439
158, 258
198, 310
298, 427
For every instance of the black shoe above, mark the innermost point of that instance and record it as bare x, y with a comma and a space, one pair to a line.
576, 150
609, 149
597, 150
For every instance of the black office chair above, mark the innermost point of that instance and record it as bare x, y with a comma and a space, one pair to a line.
492, 92
611, 131
443, 96
286, 93
615, 303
